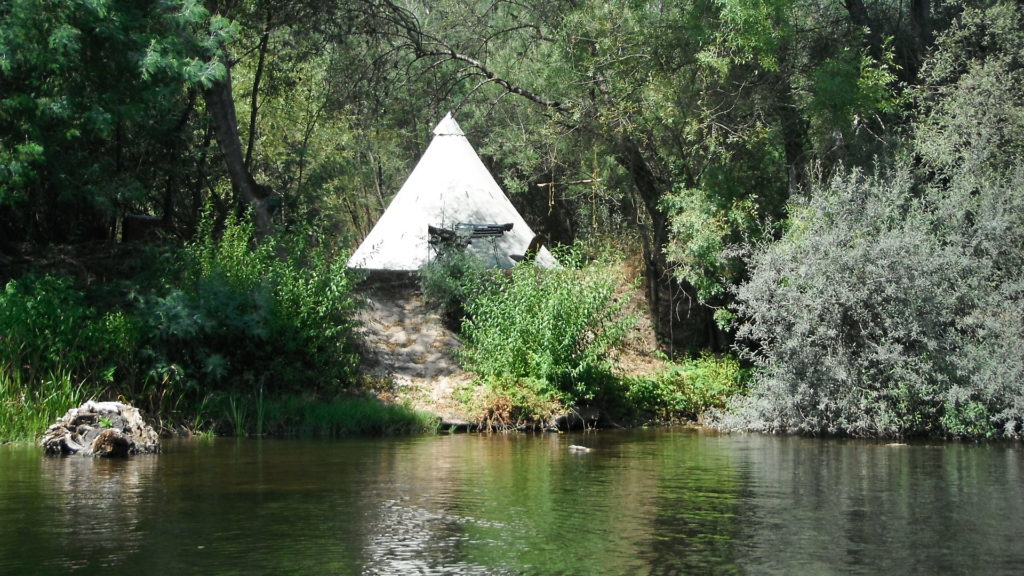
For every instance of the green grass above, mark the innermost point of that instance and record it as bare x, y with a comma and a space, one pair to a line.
296, 415
27, 411
687, 388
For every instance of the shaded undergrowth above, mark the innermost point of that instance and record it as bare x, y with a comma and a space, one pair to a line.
224, 317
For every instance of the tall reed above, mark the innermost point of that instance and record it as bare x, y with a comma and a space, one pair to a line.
26, 411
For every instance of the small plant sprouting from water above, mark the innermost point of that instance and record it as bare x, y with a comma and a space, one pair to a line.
260, 414
236, 414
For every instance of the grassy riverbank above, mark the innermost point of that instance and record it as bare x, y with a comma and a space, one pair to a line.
24, 419
229, 340
222, 335
297, 415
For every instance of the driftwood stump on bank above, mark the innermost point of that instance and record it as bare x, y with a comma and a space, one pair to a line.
577, 418
101, 429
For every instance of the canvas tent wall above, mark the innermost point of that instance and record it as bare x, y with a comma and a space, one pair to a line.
449, 189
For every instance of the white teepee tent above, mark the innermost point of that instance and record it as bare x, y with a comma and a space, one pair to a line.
449, 189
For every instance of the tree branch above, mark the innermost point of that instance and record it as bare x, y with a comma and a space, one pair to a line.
410, 28
492, 77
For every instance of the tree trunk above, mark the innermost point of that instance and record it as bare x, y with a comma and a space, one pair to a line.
220, 104
921, 35
859, 17
793, 128
680, 320
254, 98
173, 185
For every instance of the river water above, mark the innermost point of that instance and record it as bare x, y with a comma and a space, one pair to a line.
642, 502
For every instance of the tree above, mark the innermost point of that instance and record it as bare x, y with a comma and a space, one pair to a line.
81, 115
697, 117
891, 304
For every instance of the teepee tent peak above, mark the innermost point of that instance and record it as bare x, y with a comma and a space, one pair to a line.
449, 189
448, 127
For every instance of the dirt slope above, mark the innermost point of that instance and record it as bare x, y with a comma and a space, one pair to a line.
408, 350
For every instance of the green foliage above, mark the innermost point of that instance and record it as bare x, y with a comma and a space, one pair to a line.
851, 310
86, 131
55, 351
332, 151
687, 388
304, 415
247, 317
27, 409
891, 305
747, 31
551, 325
450, 281
733, 202
683, 125
850, 90
971, 112
192, 52
509, 403
874, 316
48, 329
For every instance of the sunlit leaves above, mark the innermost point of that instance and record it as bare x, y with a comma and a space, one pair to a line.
556, 326
850, 89
747, 31
891, 305
192, 49
973, 103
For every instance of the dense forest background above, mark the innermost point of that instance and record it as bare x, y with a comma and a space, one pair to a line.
833, 187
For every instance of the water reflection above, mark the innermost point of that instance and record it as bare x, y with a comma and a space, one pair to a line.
68, 513
417, 528
99, 504
817, 505
525, 504
648, 502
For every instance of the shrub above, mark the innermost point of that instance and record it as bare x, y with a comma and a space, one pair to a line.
892, 305
55, 352
314, 316
275, 316
551, 325
505, 403
450, 280
47, 327
688, 388
872, 316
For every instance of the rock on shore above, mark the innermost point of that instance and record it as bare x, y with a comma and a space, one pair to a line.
101, 429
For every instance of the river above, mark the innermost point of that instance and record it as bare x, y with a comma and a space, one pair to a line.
641, 502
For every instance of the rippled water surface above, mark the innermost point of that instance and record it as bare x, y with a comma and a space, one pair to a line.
651, 502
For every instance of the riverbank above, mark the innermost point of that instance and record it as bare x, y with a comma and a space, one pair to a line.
210, 338
216, 339
410, 358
